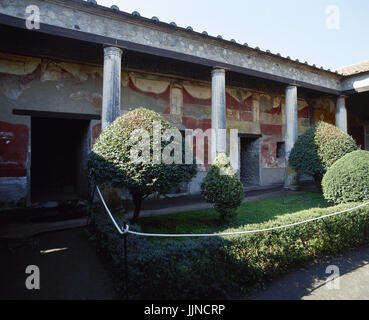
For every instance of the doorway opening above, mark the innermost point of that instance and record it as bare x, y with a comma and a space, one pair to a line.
59, 149
250, 160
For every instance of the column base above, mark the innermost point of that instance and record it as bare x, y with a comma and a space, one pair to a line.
291, 180
292, 188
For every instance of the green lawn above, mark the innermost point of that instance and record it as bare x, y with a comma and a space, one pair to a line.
186, 268
251, 215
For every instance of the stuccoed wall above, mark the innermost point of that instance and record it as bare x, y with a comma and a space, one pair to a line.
43, 85
48, 85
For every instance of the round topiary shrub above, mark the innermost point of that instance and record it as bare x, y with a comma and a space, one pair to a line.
223, 188
347, 180
123, 156
318, 148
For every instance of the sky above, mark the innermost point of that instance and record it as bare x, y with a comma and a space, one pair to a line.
328, 33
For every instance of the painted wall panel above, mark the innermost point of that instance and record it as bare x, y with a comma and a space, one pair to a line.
13, 149
47, 85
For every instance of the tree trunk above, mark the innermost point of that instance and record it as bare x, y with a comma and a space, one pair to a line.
318, 181
137, 201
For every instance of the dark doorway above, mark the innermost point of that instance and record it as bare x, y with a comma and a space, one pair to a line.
250, 160
358, 133
58, 158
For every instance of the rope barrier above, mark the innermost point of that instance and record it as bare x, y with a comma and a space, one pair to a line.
126, 230
123, 230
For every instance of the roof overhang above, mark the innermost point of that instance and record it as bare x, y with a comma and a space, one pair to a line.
79, 20
355, 84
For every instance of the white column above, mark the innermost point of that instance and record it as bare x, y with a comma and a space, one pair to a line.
111, 108
111, 85
291, 135
341, 113
218, 111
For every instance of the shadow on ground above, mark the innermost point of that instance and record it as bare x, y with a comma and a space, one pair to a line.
311, 282
70, 269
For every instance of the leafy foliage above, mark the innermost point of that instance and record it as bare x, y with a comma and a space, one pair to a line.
110, 160
347, 179
229, 267
318, 148
223, 188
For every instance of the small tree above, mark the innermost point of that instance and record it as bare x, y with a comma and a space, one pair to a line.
318, 148
347, 180
110, 161
223, 188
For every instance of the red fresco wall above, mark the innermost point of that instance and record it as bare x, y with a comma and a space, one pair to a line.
96, 130
190, 102
271, 135
13, 149
196, 113
239, 110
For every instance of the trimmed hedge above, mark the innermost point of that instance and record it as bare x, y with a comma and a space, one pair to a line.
110, 161
221, 268
347, 179
318, 148
223, 188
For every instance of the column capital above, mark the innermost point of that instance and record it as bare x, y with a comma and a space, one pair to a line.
113, 50
218, 71
292, 86
342, 96
221, 67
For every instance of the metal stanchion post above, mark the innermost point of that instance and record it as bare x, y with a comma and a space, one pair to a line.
125, 261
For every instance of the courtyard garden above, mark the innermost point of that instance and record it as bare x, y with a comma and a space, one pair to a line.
224, 267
